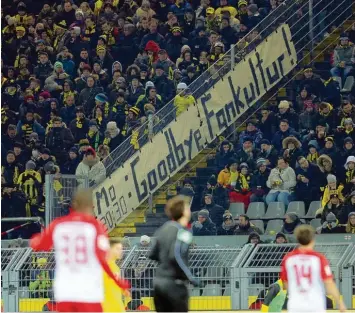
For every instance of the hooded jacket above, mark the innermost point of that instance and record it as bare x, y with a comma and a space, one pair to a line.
288, 228
94, 170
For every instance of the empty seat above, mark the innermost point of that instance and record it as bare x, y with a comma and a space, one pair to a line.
237, 208
316, 222
275, 209
296, 207
256, 210
212, 290
194, 292
259, 224
227, 290
273, 227
348, 85
313, 207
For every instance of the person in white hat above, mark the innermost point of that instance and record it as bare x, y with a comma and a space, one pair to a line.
145, 241
183, 99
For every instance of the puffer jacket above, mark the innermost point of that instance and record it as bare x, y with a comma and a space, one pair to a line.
181, 103
94, 170
287, 178
344, 54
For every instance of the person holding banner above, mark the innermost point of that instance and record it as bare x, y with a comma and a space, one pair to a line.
171, 252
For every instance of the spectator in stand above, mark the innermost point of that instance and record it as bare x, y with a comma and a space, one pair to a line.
219, 194
313, 81
350, 226
258, 185
268, 152
349, 206
204, 226
284, 132
344, 58
349, 175
267, 124
291, 221
251, 132
254, 238
292, 150
280, 238
228, 226
215, 211
334, 206
331, 225
281, 181
72, 162
248, 153
223, 156
332, 187
91, 167
308, 182
287, 113
245, 227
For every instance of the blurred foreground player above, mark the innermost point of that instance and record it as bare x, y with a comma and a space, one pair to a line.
171, 251
81, 245
275, 298
305, 274
113, 293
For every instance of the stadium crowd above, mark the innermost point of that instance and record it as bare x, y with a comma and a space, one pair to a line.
79, 77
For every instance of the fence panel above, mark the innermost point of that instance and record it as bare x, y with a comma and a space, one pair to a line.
211, 265
232, 278
59, 190
263, 268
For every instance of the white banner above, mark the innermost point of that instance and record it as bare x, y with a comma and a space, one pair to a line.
172, 149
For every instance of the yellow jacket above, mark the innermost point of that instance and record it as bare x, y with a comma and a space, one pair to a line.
233, 11
99, 4
224, 177
113, 294
182, 103
327, 193
239, 179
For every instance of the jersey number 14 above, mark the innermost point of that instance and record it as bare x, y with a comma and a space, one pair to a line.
303, 275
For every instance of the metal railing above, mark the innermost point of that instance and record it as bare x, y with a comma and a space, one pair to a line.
232, 278
59, 190
305, 18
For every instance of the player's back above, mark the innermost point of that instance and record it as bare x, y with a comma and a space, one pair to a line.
305, 272
78, 275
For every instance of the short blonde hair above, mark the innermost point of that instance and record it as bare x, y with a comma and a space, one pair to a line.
305, 234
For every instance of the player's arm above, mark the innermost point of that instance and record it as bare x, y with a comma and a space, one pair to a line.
44, 240
271, 294
283, 274
102, 246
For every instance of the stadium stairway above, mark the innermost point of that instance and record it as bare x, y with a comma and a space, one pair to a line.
142, 221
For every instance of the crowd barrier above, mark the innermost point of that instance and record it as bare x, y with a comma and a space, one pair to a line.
232, 278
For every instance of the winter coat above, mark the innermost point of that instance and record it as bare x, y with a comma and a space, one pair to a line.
59, 139
165, 87
219, 194
287, 178
156, 37
43, 71
94, 170
79, 130
272, 155
256, 136
53, 82
260, 179
87, 98
174, 45
344, 54
11, 172
280, 136
247, 230
70, 166
216, 212
181, 103
208, 228
134, 94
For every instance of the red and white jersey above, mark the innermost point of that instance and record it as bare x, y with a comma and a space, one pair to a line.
305, 273
80, 244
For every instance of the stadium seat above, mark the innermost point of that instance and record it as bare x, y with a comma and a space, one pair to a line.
259, 224
348, 85
194, 292
227, 290
315, 223
256, 210
214, 273
237, 208
296, 207
275, 209
273, 227
212, 290
313, 207
339, 80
